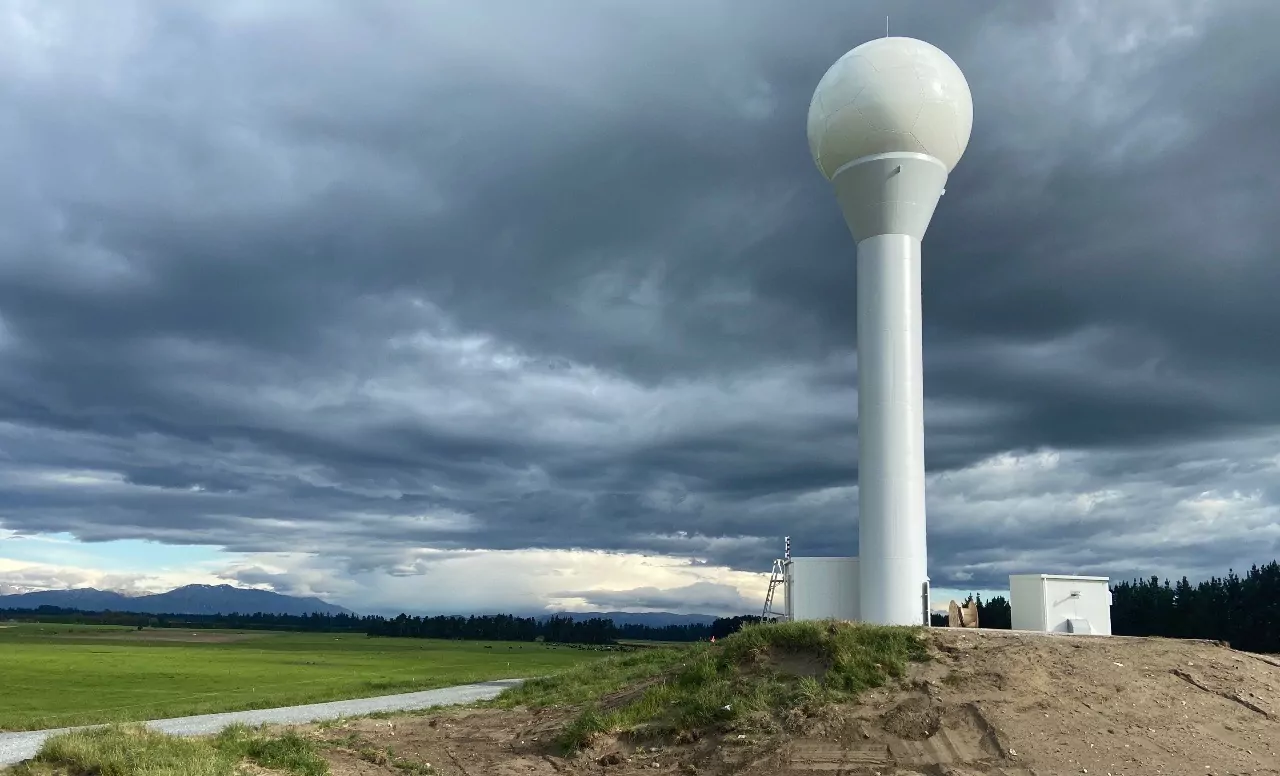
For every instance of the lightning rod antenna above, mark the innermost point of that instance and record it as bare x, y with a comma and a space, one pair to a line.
886, 26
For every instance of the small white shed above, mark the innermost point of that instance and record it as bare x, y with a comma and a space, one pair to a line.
821, 588
1059, 603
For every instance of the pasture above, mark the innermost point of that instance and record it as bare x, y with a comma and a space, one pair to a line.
63, 675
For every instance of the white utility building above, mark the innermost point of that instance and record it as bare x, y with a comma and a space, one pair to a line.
1059, 603
820, 588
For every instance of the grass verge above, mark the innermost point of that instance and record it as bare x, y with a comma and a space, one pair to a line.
590, 682
762, 669
129, 750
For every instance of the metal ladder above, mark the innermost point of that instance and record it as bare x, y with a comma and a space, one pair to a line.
776, 578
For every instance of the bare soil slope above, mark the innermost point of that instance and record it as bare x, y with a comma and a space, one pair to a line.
989, 703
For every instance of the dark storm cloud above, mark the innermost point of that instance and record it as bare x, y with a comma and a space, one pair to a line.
354, 278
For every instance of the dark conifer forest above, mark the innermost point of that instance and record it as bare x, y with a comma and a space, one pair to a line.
562, 629
1243, 611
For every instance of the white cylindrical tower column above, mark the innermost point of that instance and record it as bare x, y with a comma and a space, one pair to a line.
888, 122
891, 529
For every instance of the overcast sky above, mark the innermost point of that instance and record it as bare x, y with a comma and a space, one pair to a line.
450, 305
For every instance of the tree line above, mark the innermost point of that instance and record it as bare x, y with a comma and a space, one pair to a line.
324, 623
1243, 611
499, 627
562, 629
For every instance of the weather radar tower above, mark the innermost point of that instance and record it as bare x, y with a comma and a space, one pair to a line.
887, 124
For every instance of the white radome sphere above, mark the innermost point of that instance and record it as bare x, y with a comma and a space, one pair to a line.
890, 95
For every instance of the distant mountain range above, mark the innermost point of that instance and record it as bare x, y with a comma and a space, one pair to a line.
191, 599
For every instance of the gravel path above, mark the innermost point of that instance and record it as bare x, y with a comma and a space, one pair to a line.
16, 747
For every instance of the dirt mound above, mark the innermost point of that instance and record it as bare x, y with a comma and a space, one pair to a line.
988, 703
915, 719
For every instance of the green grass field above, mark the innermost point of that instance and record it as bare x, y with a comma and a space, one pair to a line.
63, 675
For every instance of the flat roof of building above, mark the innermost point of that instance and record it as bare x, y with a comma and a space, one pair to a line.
821, 557
1062, 576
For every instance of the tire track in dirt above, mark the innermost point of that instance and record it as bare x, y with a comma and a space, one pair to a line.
1231, 696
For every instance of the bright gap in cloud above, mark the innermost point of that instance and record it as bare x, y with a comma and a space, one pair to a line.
433, 582
125, 556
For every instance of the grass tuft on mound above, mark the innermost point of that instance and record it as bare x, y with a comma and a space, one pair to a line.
761, 669
128, 750
592, 681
